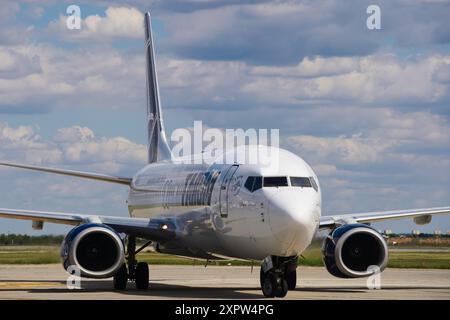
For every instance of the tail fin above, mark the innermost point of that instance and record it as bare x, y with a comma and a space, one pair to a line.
158, 149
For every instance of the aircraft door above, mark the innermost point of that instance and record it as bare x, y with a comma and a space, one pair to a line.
224, 190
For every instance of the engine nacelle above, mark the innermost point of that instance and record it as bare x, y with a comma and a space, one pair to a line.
350, 250
96, 249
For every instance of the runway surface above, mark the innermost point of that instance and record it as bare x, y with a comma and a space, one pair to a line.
198, 282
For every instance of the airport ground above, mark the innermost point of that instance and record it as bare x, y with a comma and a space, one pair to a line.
221, 282
34, 272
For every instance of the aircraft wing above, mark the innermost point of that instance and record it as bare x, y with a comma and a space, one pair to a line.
152, 229
420, 216
73, 173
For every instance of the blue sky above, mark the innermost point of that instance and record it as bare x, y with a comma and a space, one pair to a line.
369, 110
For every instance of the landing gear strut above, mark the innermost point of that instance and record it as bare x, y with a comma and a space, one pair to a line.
278, 275
132, 270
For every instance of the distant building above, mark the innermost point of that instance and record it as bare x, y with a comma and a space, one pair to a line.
415, 232
387, 232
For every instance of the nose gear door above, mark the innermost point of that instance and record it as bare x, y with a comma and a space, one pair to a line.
224, 190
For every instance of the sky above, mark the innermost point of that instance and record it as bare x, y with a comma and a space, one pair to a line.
369, 110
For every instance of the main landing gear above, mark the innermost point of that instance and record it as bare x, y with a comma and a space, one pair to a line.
278, 275
135, 271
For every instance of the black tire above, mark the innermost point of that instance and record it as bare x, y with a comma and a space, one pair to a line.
120, 279
267, 287
291, 279
267, 284
261, 276
281, 286
141, 276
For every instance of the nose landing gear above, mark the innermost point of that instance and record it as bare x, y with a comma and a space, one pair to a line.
273, 284
278, 275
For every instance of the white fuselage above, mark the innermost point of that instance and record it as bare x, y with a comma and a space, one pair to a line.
217, 215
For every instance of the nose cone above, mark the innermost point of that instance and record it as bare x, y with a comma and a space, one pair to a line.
294, 217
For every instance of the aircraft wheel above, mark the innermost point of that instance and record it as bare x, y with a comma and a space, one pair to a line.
291, 279
120, 279
273, 284
267, 284
141, 276
281, 286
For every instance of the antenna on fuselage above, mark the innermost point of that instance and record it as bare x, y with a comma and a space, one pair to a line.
158, 148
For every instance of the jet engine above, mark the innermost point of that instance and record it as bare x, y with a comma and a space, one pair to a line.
96, 249
354, 250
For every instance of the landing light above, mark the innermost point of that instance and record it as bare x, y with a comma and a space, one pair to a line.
164, 227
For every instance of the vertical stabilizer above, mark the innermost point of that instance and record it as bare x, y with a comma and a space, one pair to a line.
158, 149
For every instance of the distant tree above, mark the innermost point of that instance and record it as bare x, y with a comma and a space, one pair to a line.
24, 239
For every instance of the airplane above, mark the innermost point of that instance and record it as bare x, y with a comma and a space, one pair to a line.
216, 211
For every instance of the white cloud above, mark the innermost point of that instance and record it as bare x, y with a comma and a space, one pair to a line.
70, 78
8, 134
118, 22
75, 145
74, 134
380, 80
312, 67
25, 144
118, 149
14, 64
36, 76
376, 79
348, 150
285, 31
387, 134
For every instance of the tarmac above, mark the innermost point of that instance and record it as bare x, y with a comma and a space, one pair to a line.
228, 282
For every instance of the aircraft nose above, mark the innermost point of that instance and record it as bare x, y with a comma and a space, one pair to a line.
294, 217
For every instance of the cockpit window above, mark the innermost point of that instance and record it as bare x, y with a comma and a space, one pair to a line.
275, 182
253, 183
314, 183
301, 182
304, 182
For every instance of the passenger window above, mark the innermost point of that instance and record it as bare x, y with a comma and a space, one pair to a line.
275, 182
301, 182
253, 183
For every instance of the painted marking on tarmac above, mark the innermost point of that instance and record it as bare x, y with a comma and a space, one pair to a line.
24, 284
